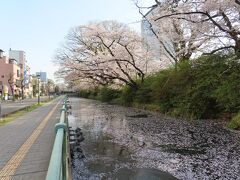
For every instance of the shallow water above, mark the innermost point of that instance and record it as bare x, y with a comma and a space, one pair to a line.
104, 158
127, 143
142, 174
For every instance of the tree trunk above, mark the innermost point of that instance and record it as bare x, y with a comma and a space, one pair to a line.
22, 92
12, 93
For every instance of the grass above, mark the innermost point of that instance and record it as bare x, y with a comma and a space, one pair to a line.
235, 122
13, 116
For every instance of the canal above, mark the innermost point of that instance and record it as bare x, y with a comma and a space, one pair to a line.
128, 143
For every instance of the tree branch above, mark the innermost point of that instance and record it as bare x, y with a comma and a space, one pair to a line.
219, 49
237, 1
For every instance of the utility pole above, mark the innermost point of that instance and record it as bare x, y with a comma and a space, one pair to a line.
38, 90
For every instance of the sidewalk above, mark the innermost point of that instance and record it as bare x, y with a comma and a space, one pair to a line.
26, 143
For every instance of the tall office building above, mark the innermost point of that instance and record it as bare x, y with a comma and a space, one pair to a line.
43, 76
158, 43
18, 55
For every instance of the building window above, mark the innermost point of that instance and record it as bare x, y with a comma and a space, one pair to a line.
2, 76
18, 73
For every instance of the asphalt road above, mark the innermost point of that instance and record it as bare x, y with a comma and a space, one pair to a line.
8, 107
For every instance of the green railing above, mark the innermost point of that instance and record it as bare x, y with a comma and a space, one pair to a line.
59, 166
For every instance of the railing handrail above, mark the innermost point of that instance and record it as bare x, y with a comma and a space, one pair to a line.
58, 167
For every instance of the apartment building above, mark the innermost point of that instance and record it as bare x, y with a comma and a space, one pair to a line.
10, 74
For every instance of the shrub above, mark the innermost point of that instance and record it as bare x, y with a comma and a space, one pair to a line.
218, 80
84, 93
127, 96
170, 87
227, 94
202, 88
106, 94
144, 93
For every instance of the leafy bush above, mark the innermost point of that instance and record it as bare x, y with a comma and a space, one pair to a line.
227, 94
84, 93
202, 88
93, 93
144, 93
170, 87
106, 94
127, 96
220, 76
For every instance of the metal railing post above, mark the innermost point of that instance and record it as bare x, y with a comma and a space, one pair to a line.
58, 166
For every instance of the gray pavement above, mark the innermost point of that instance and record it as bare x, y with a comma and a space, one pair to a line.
14, 134
12, 106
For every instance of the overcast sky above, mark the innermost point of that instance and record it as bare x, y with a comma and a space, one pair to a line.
39, 27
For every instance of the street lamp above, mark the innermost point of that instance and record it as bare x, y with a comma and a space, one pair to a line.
38, 77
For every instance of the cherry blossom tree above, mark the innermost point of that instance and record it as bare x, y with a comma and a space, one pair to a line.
196, 26
221, 15
103, 53
178, 39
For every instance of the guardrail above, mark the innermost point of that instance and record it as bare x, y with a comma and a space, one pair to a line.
59, 166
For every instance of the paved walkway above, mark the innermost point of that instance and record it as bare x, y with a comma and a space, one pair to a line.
26, 143
10, 106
